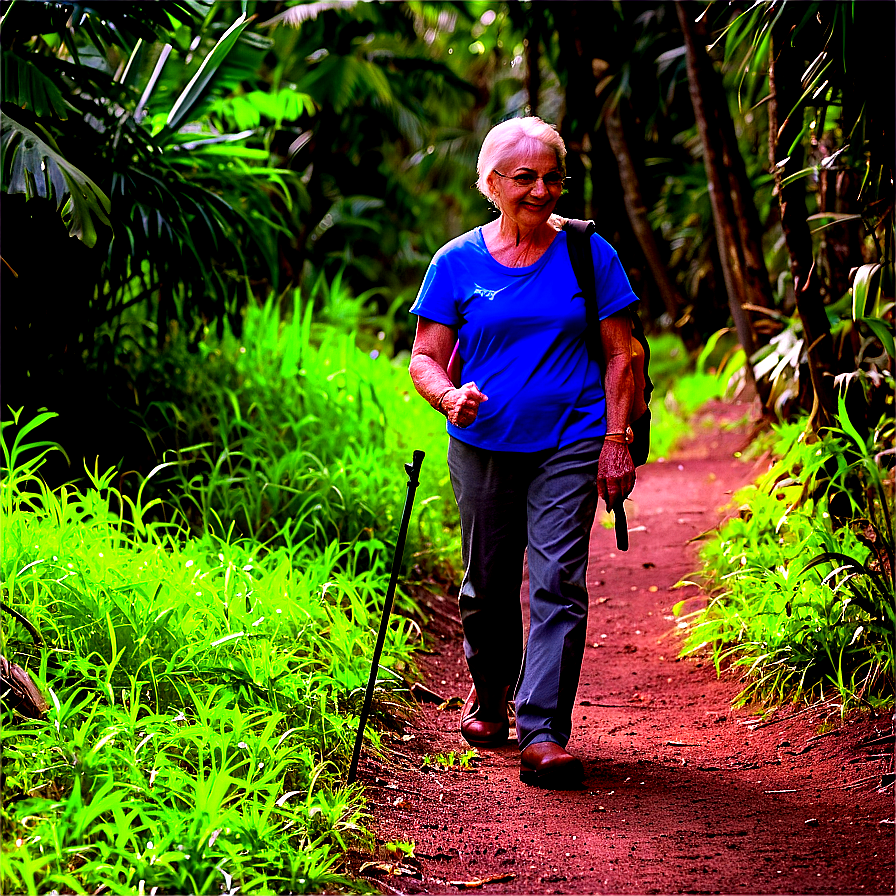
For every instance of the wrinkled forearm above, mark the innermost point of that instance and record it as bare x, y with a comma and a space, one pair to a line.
619, 385
430, 378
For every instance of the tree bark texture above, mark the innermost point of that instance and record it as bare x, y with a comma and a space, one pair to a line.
533, 59
701, 77
580, 107
785, 124
636, 209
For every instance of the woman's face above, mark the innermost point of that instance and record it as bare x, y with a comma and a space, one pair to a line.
527, 204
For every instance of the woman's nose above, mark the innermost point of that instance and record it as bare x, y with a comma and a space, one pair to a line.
539, 188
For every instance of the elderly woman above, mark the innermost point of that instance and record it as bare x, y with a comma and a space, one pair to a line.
537, 436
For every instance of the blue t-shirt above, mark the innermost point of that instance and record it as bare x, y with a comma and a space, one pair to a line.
522, 340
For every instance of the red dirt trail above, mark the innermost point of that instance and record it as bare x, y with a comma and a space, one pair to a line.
682, 794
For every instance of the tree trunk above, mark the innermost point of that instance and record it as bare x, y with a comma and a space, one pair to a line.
636, 210
786, 89
532, 43
580, 106
701, 80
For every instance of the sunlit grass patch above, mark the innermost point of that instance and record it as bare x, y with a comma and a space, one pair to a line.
803, 604
203, 698
289, 433
682, 385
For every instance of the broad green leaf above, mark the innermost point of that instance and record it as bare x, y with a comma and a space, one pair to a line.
861, 287
196, 90
26, 86
846, 424
883, 333
36, 168
234, 152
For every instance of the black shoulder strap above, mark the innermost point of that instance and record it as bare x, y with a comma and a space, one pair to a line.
578, 241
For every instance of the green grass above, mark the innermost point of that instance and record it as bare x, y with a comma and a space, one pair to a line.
288, 433
204, 696
682, 385
803, 605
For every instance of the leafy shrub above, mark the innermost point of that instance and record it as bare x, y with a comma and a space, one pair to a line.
804, 604
204, 694
289, 433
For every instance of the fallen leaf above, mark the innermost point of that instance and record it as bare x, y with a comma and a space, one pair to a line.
481, 881
452, 703
393, 869
425, 695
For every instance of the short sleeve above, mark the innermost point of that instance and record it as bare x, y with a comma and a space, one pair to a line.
614, 292
438, 297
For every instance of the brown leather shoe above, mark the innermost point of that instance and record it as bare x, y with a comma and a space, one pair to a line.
547, 764
485, 726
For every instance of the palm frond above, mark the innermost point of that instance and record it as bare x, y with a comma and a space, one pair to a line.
26, 86
305, 12
35, 167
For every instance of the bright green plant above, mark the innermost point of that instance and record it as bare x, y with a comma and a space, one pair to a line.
798, 629
290, 434
203, 696
681, 387
451, 759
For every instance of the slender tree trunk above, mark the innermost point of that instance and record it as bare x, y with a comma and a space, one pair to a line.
701, 77
580, 107
636, 209
532, 44
786, 90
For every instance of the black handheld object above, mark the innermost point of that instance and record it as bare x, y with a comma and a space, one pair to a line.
621, 525
413, 471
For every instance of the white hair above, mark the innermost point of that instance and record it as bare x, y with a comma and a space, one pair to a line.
505, 141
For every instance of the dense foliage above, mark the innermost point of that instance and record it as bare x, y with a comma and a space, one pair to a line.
805, 605
205, 665
215, 218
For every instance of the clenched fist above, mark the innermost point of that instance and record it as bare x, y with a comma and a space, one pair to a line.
462, 405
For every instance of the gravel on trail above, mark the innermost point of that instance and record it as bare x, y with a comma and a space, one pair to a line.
683, 794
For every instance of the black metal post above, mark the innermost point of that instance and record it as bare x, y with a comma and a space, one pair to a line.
413, 471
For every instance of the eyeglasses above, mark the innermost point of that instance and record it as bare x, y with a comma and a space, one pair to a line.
552, 180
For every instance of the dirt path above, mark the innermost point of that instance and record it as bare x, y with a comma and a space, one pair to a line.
682, 794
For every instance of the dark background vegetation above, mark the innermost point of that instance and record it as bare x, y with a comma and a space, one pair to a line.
726, 150
215, 217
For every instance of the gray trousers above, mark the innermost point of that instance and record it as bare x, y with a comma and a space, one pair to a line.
508, 500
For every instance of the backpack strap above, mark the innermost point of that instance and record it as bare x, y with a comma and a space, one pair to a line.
578, 242
578, 238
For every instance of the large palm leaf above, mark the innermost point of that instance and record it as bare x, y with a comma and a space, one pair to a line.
33, 165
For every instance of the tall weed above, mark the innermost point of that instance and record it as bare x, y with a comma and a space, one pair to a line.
204, 695
289, 433
804, 605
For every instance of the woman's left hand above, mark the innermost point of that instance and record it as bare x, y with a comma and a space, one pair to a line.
615, 473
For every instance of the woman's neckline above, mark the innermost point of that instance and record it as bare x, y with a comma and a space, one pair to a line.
511, 267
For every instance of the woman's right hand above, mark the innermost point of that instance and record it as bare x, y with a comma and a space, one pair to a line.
462, 405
